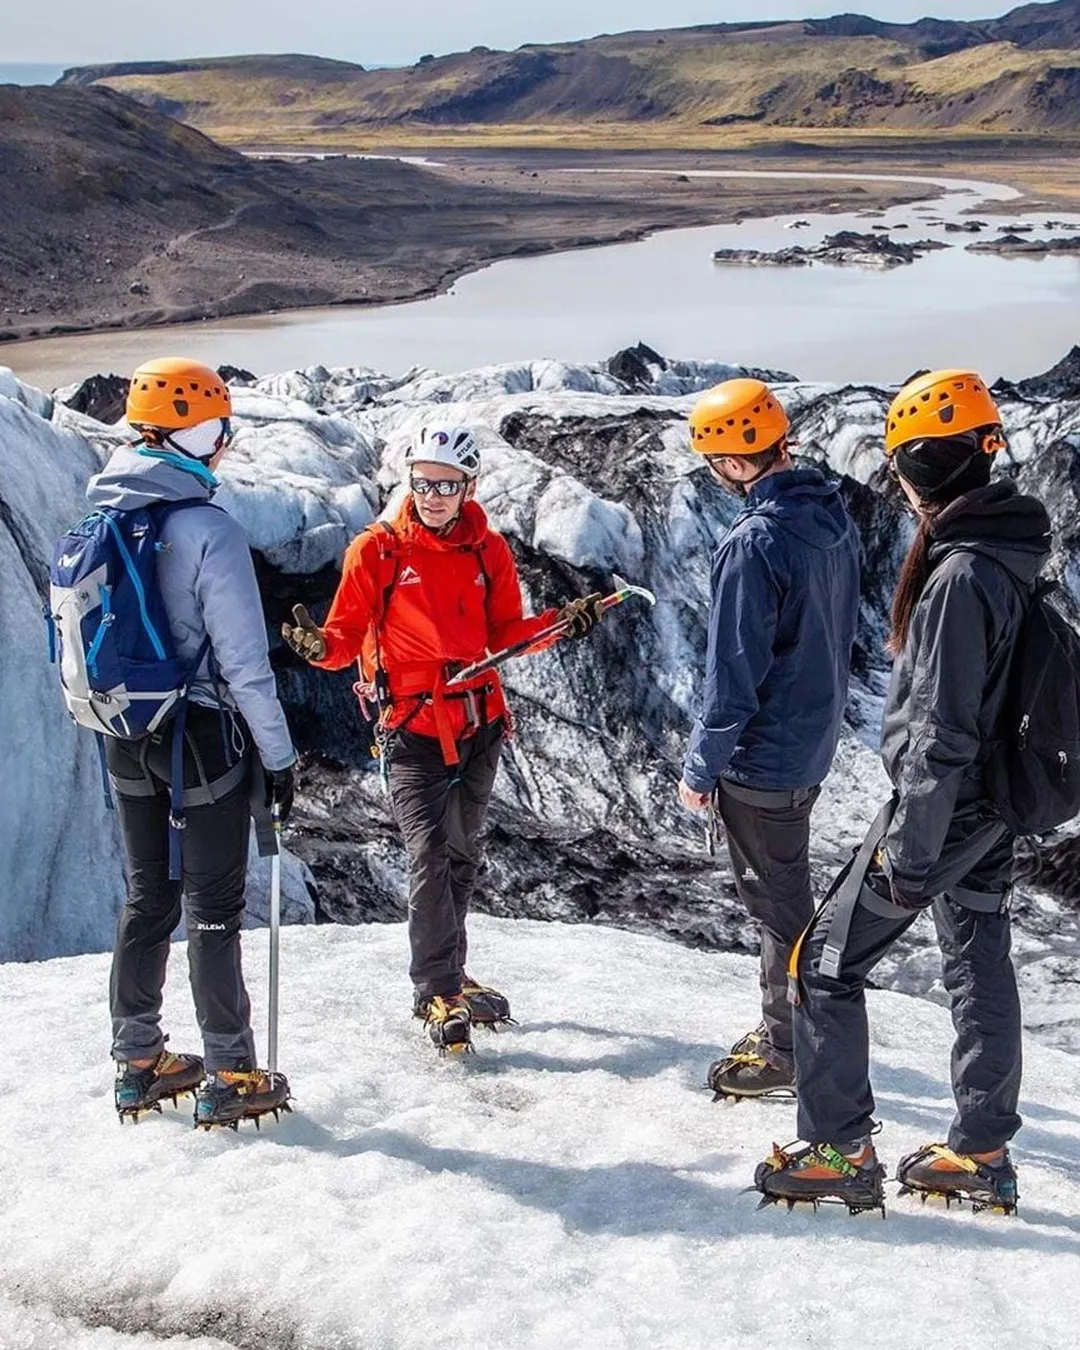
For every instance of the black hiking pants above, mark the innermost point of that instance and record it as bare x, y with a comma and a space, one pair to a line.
441, 812
211, 893
836, 1103
768, 836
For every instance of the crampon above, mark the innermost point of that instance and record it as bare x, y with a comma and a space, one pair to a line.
229, 1096
164, 1080
821, 1174
448, 1020
935, 1171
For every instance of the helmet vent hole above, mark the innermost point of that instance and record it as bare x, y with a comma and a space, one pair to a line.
181, 407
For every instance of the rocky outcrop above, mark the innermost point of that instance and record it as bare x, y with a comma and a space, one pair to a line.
846, 248
1012, 246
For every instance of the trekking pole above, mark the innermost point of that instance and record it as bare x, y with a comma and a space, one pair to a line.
275, 939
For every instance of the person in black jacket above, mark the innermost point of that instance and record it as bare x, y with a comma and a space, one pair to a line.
785, 599
940, 842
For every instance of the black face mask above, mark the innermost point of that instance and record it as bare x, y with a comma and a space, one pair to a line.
945, 467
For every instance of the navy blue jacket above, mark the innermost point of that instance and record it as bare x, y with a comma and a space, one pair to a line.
785, 597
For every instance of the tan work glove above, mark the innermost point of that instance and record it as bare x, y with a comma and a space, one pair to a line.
582, 615
305, 637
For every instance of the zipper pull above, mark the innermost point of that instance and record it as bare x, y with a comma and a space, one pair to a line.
1025, 724
1063, 760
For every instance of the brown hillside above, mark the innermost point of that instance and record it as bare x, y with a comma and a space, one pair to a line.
1019, 73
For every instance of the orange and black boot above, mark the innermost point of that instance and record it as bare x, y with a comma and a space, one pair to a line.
487, 1007
848, 1174
231, 1095
448, 1020
143, 1084
987, 1180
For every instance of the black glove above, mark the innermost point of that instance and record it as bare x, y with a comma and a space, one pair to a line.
306, 637
280, 790
582, 615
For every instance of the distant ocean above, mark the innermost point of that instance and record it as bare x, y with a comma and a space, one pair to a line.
26, 73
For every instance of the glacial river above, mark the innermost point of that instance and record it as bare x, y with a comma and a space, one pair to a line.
1010, 317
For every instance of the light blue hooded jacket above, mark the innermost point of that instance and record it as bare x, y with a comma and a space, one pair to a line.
207, 582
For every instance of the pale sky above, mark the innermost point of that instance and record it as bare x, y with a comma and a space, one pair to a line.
74, 32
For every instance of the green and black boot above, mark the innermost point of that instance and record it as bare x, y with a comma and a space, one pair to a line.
142, 1085
846, 1174
231, 1095
987, 1180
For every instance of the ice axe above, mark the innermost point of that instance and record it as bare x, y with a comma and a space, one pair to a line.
623, 591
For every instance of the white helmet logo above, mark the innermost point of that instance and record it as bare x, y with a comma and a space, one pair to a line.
453, 446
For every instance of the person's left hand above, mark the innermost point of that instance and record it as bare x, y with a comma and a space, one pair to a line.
693, 801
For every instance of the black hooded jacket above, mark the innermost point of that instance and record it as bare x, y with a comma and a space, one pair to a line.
949, 684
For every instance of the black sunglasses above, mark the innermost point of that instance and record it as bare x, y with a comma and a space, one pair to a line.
442, 487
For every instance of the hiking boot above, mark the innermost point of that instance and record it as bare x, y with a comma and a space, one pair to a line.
487, 1007
448, 1020
749, 1044
747, 1071
988, 1180
231, 1095
849, 1174
750, 1075
142, 1085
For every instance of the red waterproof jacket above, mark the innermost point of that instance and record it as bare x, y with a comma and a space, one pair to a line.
420, 606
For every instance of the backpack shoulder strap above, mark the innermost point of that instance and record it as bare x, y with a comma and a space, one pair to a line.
390, 545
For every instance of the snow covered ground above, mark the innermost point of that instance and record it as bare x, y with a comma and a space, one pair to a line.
572, 1185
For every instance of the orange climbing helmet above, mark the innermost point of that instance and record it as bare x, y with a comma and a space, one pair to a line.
738, 417
174, 392
943, 403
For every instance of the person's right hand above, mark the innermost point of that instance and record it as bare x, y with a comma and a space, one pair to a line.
305, 637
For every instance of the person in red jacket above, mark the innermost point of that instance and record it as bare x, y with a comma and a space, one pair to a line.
421, 597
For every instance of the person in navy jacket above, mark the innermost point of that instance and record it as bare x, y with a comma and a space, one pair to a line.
785, 598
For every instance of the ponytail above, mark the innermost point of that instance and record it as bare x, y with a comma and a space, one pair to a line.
914, 575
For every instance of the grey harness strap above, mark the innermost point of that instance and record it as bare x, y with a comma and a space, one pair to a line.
847, 897
204, 795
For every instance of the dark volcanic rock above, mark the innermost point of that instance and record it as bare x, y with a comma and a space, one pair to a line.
1012, 246
1060, 381
102, 397
846, 248
632, 366
236, 375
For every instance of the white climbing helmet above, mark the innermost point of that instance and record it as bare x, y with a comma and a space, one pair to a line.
454, 446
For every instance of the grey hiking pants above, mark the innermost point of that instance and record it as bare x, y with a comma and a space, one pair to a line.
215, 850
768, 836
440, 811
836, 1103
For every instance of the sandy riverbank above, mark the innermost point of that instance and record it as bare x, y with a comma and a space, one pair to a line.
365, 232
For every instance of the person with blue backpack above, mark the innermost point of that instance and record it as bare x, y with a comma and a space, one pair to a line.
981, 740
163, 652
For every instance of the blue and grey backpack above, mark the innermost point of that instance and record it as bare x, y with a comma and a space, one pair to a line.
109, 632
